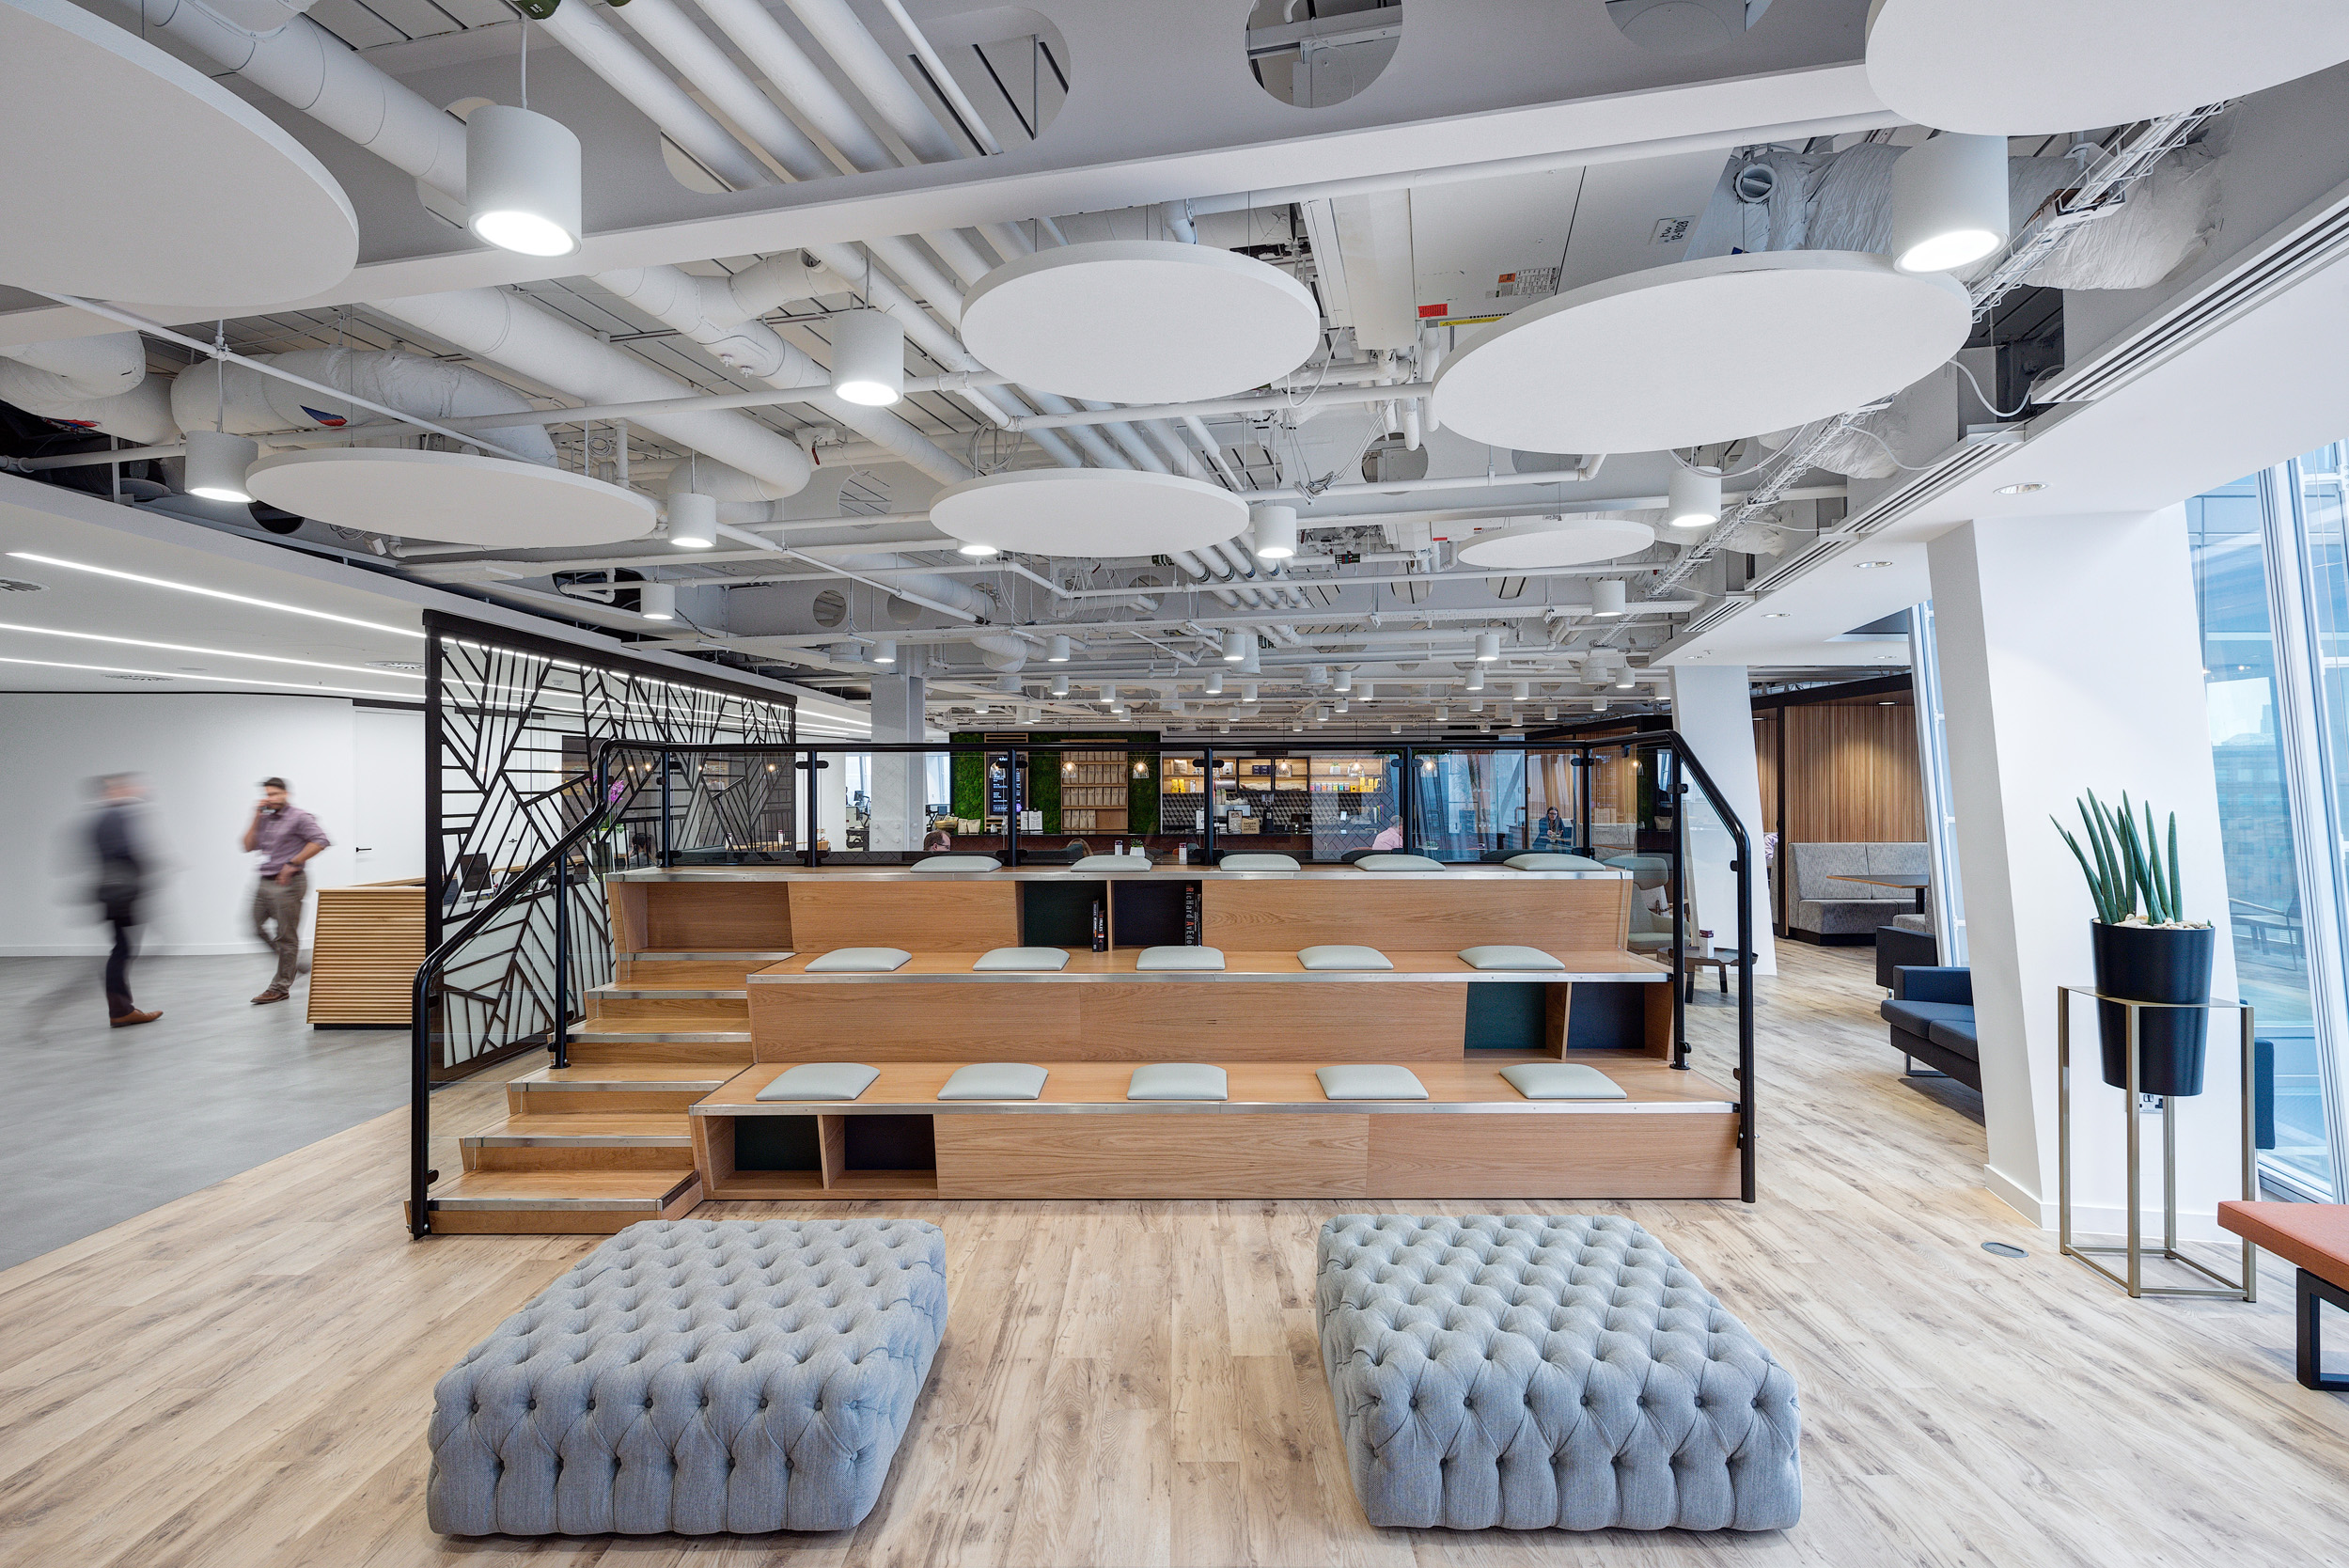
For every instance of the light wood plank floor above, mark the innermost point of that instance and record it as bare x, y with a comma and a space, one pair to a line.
242, 1378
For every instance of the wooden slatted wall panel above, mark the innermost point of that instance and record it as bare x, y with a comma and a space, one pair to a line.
363, 961
1852, 775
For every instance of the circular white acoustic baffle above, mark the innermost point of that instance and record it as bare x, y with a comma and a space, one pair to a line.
1558, 542
2018, 68
1140, 321
1701, 352
132, 176
1090, 512
456, 497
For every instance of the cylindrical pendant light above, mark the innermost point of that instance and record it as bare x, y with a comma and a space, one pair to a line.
1549, 714
1694, 499
1061, 684
1598, 705
522, 181
1343, 681
216, 462
657, 600
1606, 598
1948, 203
1236, 644
867, 357
885, 653
1056, 648
1366, 692
693, 520
1475, 681
1488, 647
1340, 706
1275, 531
1442, 713
1247, 691
1520, 690
1215, 683
1109, 695
1623, 681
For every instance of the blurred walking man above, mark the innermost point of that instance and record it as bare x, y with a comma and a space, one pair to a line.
287, 837
114, 844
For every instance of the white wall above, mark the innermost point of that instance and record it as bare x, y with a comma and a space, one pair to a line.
1713, 710
203, 756
2071, 660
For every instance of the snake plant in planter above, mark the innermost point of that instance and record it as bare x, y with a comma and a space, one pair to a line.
2146, 949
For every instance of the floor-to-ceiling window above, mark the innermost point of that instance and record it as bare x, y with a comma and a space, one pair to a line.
2259, 589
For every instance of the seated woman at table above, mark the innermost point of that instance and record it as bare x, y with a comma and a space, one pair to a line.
1551, 830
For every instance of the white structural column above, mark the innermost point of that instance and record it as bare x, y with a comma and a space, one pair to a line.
1712, 709
898, 781
2071, 660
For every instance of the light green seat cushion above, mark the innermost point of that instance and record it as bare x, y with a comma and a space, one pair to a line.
1177, 1081
994, 1080
1341, 955
1371, 1082
1023, 960
1540, 862
1508, 958
858, 961
821, 1080
1253, 862
1562, 1080
957, 863
1113, 863
1153, 959
1397, 863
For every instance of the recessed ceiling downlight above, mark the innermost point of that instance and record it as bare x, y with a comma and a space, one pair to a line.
457, 496
122, 144
1140, 321
1702, 352
2088, 62
2028, 487
1089, 511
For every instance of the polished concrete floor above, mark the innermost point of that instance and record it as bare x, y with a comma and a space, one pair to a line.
97, 1124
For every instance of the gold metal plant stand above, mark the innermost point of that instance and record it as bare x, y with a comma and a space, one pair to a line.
2232, 1289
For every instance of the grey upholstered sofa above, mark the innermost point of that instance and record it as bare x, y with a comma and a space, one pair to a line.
1829, 909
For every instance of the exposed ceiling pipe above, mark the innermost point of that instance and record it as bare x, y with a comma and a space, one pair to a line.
874, 74
583, 30
317, 74
99, 382
675, 38
248, 400
1221, 407
507, 329
1001, 651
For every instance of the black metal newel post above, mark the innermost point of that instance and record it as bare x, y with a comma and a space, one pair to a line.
561, 1045
669, 853
1207, 807
1678, 799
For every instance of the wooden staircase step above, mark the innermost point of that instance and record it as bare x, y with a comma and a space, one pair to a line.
692, 969
650, 991
654, 1007
615, 1087
682, 1029
599, 1052
586, 1202
644, 1141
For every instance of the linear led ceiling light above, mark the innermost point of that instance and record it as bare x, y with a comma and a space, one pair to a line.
1056, 648
867, 358
693, 520
216, 464
657, 600
1948, 203
211, 652
1694, 499
1606, 598
211, 679
214, 593
522, 181
1276, 532
1488, 649
1236, 646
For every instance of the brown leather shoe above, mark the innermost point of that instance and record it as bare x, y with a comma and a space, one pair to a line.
123, 1021
272, 995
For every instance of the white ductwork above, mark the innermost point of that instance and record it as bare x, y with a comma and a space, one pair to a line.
316, 73
908, 576
508, 329
869, 67
1001, 651
99, 384
581, 29
430, 388
742, 500
708, 310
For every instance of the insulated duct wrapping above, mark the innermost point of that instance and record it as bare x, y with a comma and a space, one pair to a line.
1858, 451
94, 384
1843, 201
427, 388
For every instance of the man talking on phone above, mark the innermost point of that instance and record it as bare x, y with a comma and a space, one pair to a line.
287, 837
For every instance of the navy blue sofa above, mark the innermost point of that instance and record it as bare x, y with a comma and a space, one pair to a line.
1931, 1015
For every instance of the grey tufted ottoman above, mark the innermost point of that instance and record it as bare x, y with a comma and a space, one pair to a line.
692, 1376
1526, 1372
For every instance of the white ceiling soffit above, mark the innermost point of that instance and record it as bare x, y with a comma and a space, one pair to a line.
1701, 352
2018, 68
1090, 512
454, 497
134, 177
1141, 321
1362, 254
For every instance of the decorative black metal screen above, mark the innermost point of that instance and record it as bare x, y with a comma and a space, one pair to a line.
509, 727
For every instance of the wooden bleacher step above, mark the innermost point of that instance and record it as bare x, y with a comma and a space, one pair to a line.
640, 1140
616, 1088
581, 1202
691, 968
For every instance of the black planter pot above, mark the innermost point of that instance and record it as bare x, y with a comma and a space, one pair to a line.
2145, 963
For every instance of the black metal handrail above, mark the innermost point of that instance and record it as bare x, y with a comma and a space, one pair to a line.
604, 817
420, 1173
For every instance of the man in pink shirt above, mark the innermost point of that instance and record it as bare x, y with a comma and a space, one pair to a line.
286, 837
1390, 837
